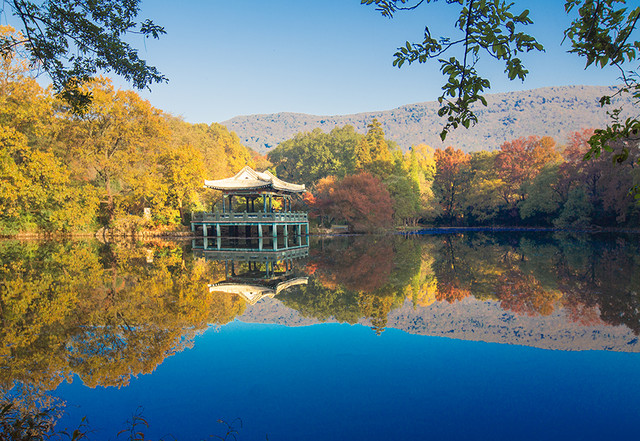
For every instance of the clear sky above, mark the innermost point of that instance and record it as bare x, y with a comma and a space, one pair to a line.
226, 58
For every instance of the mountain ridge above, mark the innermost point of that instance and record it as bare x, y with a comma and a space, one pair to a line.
555, 111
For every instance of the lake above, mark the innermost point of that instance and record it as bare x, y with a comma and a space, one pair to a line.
464, 335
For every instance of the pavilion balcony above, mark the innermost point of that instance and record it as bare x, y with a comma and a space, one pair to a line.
249, 217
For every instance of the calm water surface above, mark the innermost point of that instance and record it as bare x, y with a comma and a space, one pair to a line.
457, 336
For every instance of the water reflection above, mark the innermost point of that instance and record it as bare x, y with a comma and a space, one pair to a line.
102, 312
107, 313
585, 286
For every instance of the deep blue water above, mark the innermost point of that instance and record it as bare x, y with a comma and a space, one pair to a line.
340, 381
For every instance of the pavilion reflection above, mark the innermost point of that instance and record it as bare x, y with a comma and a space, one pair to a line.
254, 274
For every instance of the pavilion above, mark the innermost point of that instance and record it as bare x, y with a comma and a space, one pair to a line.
263, 220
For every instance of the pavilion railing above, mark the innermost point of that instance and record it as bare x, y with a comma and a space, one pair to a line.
244, 217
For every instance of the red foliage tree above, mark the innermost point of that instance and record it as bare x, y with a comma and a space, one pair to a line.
362, 201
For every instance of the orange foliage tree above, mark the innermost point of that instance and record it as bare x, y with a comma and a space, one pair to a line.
523, 294
450, 179
521, 160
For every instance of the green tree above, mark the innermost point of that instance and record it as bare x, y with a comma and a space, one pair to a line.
483, 27
601, 31
543, 199
405, 194
374, 154
311, 156
421, 164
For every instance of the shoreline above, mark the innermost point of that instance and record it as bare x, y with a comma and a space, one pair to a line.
107, 235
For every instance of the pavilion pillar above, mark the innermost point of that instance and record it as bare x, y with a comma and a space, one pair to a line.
274, 235
218, 233
264, 204
286, 235
204, 230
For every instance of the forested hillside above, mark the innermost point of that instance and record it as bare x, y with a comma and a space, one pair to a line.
551, 111
368, 183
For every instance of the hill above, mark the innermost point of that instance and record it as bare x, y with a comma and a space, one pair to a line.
550, 111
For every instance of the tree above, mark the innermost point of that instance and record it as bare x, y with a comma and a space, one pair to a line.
601, 31
520, 161
373, 153
421, 164
405, 194
543, 198
72, 41
482, 201
361, 200
449, 181
36, 188
484, 27
183, 174
602, 34
601, 183
116, 143
311, 156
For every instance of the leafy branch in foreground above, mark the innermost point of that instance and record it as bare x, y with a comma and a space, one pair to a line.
72, 41
603, 33
486, 27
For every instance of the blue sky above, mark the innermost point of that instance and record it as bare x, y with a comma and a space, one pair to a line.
329, 57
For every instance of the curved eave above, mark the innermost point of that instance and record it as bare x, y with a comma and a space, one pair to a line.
236, 187
241, 187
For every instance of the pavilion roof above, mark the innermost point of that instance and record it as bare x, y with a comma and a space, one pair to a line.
252, 293
249, 179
